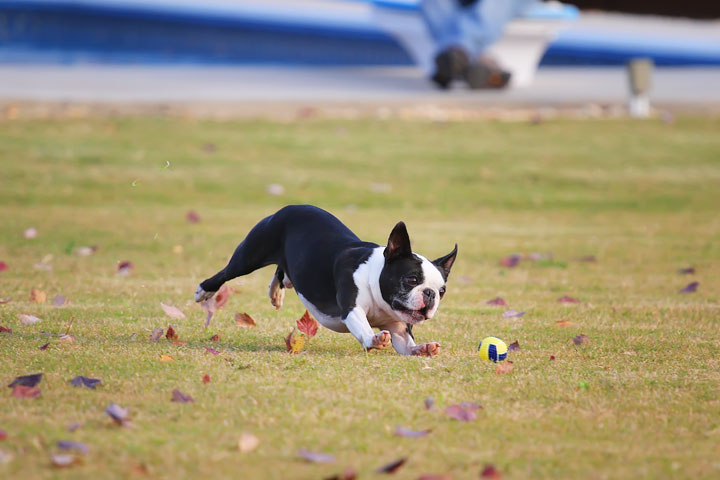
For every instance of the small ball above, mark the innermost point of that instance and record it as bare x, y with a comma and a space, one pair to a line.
492, 349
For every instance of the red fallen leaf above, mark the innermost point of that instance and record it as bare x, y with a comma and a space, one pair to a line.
462, 412
307, 325
212, 350
514, 347
45, 347
181, 397
392, 467
504, 368
4, 329
567, 299
21, 391
206, 378
172, 312
497, 301
510, 261
581, 339
512, 314
192, 216
429, 402
690, 288
3, 266
405, 432
552, 357
27, 380
294, 343
244, 320
215, 338
59, 301
687, 271
490, 472
348, 474
3, 435
124, 268
563, 323
171, 334
316, 457
117, 413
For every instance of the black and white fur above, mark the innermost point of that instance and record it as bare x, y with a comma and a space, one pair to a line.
348, 285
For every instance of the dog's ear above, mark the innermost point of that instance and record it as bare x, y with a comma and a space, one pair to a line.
445, 263
398, 243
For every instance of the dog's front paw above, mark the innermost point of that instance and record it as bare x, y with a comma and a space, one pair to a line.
381, 340
426, 349
201, 295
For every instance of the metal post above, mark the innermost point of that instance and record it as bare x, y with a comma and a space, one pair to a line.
640, 75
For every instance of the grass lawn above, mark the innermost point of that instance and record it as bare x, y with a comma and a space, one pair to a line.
641, 400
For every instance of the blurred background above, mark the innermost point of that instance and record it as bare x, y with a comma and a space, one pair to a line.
229, 56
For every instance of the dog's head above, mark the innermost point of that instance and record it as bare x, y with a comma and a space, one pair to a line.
411, 284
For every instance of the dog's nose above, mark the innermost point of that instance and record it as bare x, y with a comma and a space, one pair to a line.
428, 296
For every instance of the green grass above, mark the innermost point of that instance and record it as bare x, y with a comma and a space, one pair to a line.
643, 197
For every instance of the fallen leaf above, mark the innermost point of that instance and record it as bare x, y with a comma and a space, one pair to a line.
28, 319
4, 329
31, 380
510, 261
308, 325
30, 233
192, 216
63, 460
215, 338
461, 412
66, 337
3, 266
294, 343
405, 432
348, 474
512, 314
567, 299
687, 271
3, 435
206, 378
37, 296
690, 288
157, 334
59, 301
392, 467
581, 339
514, 347
563, 323
552, 357
125, 268
248, 442
172, 312
86, 251
3, 301
212, 350
435, 476
221, 297
73, 426
70, 445
81, 381
316, 457
178, 342
244, 320
117, 413
171, 334
429, 402
21, 391
181, 397
497, 301
140, 469
504, 368
489, 471
166, 358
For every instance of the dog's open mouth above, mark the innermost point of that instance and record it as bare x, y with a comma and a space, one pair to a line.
412, 316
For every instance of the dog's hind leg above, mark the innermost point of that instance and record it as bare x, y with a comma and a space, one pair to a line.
277, 289
260, 248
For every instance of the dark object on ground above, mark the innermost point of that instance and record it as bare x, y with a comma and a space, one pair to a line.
454, 64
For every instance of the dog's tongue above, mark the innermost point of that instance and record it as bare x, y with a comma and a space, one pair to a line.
417, 316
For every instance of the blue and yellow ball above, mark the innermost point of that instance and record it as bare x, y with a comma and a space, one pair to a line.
492, 349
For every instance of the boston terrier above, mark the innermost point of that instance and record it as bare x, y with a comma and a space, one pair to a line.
348, 285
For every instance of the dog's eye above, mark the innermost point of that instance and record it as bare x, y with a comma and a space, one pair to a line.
442, 292
411, 280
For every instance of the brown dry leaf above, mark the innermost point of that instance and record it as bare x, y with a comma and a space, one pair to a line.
392, 467
179, 396
504, 367
248, 442
178, 342
215, 338
171, 311
294, 343
67, 338
171, 334
308, 325
166, 358
244, 320
566, 299
23, 391
37, 296
581, 339
156, 334
563, 323
221, 297
514, 347
206, 378
489, 471
140, 469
